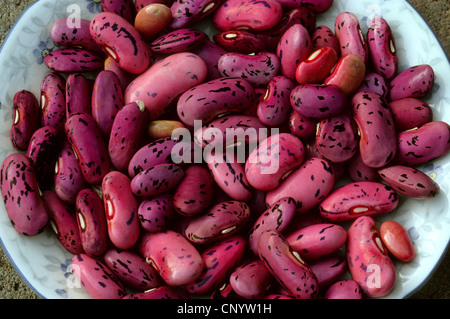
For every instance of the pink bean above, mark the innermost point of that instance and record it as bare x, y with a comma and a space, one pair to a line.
127, 131
344, 289
91, 222
121, 41
165, 81
176, 260
21, 197
26, 119
321, 178
63, 222
316, 241
220, 259
287, 267
357, 199
222, 220
96, 278
409, 181
131, 269
273, 159
368, 260
294, 47
277, 217
121, 209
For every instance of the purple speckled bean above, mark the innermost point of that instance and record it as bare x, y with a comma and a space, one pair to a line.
63, 221
321, 178
188, 12
221, 221
293, 48
121, 41
317, 101
152, 154
96, 278
43, 146
65, 33
155, 213
277, 296
374, 82
423, 144
163, 292
409, 181
328, 269
299, 15
91, 222
230, 176
124, 76
378, 136
316, 6
68, 177
69, 60
53, 100
233, 128
195, 192
210, 53
78, 94
220, 259
368, 259
350, 36
207, 100
277, 217
357, 199
177, 41
410, 113
343, 289
165, 81
176, 260
247, 14
131, 269
127, 132
383, 53
274, 108
316, 241
358, 171
124, 8
107, 100
240, 41
287, 267
156, 180
416, 81
21, 197
26, 119
121, 210
323, 37
273, 159
337, 138
251, 280
257, 69
301, 126
84, 134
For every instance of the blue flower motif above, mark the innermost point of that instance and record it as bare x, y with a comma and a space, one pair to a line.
434, 171
66, 268
44, 48
94, 6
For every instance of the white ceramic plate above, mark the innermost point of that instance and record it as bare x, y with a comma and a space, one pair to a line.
41, 260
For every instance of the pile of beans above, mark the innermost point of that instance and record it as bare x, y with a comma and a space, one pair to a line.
95, 156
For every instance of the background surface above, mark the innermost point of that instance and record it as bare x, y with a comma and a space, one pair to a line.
435, 12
